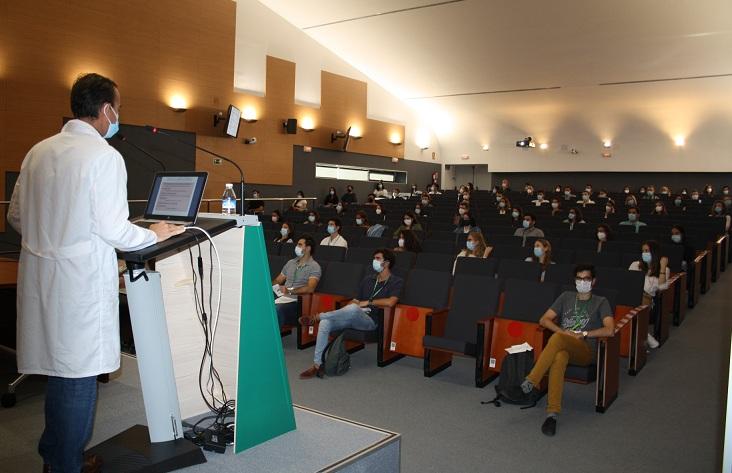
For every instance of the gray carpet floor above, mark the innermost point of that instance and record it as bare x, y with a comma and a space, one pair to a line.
670, 418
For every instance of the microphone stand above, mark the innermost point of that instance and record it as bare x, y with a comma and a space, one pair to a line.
158, 131
140, 149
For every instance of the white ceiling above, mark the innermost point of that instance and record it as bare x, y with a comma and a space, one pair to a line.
446, 57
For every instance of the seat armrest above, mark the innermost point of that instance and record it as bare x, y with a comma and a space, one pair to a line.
434, 318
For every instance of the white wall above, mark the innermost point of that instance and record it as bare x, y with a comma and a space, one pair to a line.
261, 32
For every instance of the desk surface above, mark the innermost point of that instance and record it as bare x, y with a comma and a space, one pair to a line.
178, 243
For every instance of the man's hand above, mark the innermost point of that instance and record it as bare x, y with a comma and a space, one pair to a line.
363, 304
165, 230
577, 335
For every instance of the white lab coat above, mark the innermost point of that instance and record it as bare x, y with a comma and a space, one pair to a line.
70, 206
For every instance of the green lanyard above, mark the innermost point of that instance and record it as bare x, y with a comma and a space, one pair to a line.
374, 291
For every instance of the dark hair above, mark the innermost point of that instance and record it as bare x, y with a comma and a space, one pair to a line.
277, 212
606, 229
300, 194
362, 215
680, 229
577, 214
291, 233
531, 216
411, 243
336, 222
655, 266
89, 93
388, 256
317, 216
584, 267
308, 242
255, 191
633, 207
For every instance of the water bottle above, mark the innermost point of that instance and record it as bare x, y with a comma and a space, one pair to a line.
228, 200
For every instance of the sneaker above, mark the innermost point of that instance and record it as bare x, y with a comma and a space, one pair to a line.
549, 427
312, 372
652, 342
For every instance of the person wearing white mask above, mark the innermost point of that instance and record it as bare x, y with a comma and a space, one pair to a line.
313, 221
380, 214
299, 276
542, 255
463, 208
276, 216
286, 233
528, 228
585, 200
603, 236
633, 219
657, 274
409, 222
408, 242
70, 207
609, 210
256, 207
574, 217
577, 319
568, 195
334, 237
556, 207
378, 290
380, 191
719, 210
540, 200
331, 198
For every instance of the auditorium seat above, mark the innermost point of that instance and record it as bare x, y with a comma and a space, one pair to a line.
435, 261
439, 246
512, 269
360, 255
376, 242
462, 330
405, 259
560, 274
330, 253
477, 266
276, 263
511, 252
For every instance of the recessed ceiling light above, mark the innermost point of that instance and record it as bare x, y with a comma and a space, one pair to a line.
486, 147
607, 144
543, 146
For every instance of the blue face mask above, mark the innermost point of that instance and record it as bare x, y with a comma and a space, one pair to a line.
377, 265
470, 245
676, 238
538, 251
526, 223
331, 229
632, 217
113, 127
646, 256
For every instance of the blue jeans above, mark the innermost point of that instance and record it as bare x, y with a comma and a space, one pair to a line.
350, 316
70, 404
287, 313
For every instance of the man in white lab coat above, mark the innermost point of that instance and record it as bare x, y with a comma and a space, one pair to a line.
70, 206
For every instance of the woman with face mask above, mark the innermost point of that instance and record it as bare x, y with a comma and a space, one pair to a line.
407, 241
517, 217
475, 247
678, 237
631, 201
574, 217
679, 203
718, 210
504, 206
603, 236
659, 209
609, 210
255, 207
362, 220
313, 220
287, 233
276, 216
463, 208
334, 237
380, 214
380, 191
556, 206
542, 255
657, 272
540, 199
300, 204
331, 198
409, 222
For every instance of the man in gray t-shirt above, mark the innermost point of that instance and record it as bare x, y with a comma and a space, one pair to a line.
576, 318
300, 275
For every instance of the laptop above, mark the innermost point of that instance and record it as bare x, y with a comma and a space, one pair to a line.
175, 197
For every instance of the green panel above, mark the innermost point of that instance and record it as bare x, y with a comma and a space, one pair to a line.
263, 400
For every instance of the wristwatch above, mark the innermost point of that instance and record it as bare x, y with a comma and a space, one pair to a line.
584, 334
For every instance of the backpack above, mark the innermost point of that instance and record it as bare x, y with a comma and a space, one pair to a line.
336, 360
515, 368
376, 230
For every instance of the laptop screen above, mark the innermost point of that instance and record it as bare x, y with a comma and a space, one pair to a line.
176, 196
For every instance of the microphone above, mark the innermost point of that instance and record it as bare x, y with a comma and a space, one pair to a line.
157, 131
140, 149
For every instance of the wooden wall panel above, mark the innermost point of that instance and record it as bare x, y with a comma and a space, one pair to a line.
155, 50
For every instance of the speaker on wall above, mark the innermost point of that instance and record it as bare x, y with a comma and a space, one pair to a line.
290, 125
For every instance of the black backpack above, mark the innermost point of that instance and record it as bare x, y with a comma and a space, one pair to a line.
336, 360
515, 368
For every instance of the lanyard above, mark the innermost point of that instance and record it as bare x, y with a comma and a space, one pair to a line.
374, 291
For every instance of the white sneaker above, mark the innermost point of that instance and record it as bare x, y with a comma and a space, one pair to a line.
652, 342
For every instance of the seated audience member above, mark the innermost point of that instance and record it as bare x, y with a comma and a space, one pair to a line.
603, 236
466, 224
415, 192
434, 189
409, 222
679, 203
574, 217
380, 191
395, 193
287, 233
380, 213
602, 194
585, 200
708, 192
370, 200
470, 186
631, 201
504, 206
463, 207
588, 189
650, 194
576, 318
626, 190
313, 220
377, 291
255, 207
633, 219
657, 274
642, 191
568, 195
362, 220
609, 210
300, 275
678, 237
426, 201
695, 197
276, 216
529, 191
725, 190
517, 217
727, 199
540, 200
557, 207
300, 204
331, 199
420, 211
349, 197
542, 255
684, 192
340, 209
659, 209
528, 228
718, 210
665, 191
475, 247
558, 190
505, 185
465, 196
334, 237
408, 242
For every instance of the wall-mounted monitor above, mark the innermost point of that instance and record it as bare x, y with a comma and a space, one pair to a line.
233, 118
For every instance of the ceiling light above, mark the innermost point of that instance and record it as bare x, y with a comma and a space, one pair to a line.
395, 138
607, 144
249, 114
525, 143
679, 140
485, 147
307, 124
543, 146
178, 103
